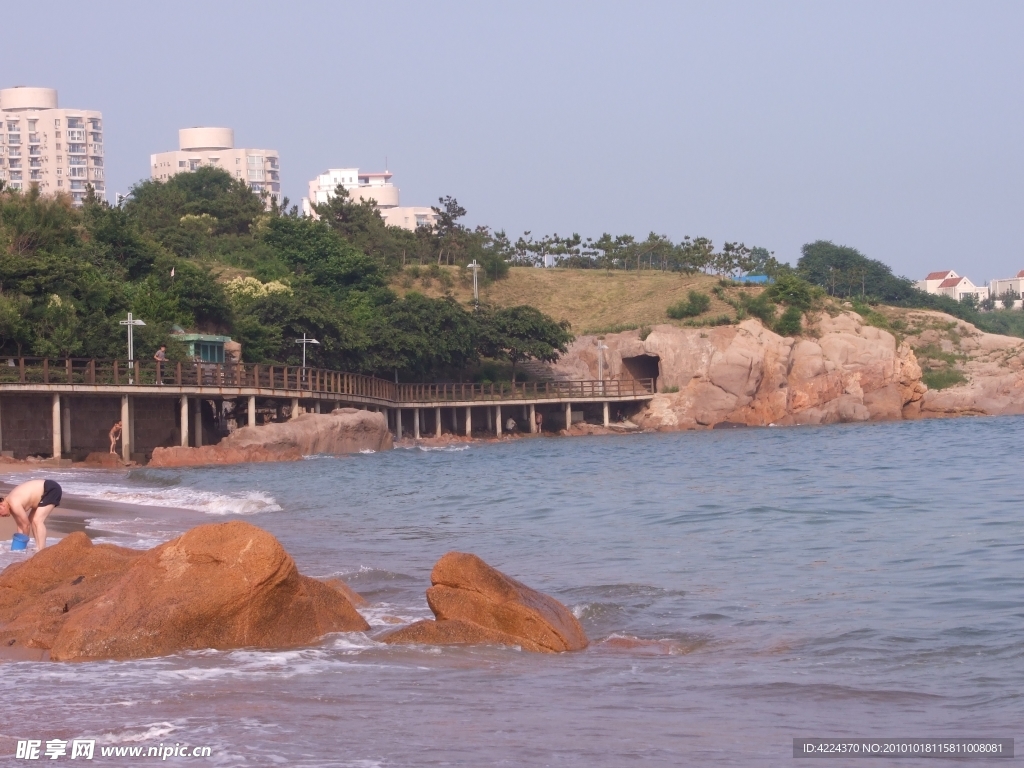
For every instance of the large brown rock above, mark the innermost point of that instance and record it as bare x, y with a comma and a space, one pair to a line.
843, 370
227, 585
346, 430
475, 603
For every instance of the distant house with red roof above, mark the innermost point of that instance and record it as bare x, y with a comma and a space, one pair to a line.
949, 283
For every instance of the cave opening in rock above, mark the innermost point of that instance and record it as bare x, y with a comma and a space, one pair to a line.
642, 367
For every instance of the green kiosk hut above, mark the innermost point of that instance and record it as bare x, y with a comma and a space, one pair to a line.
203, 347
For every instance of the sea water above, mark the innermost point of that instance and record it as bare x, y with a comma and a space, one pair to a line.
740, 588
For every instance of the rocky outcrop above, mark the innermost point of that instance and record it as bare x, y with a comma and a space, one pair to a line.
475, 603
229, 585
842, 371
346, 430
991, 366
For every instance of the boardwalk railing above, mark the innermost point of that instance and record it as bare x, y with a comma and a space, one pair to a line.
37, 370
529, 390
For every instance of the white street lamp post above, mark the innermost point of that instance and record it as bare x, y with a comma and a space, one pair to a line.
304, 341
131, 322
601, 347
476, 289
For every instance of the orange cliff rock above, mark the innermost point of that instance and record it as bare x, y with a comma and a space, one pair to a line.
843, 371
476, 604
223, 586
346, 430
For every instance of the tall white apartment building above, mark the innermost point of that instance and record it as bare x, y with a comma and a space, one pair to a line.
365, 185
59, 150
198, 147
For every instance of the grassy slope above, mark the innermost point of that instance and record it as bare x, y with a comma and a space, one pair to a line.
592, 300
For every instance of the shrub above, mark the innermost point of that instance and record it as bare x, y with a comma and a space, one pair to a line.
761, 307
793, 292
696, 303
789, 324
946, 377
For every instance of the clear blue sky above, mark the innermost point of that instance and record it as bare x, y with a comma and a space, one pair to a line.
894, 127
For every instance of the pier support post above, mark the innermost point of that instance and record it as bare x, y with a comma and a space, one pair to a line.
607, 421
198, 416
497, 419
126, 443
295, 408
469, 421
56, 427
183, 417
416, 423
398, 423
568, 415
533, 419
65, 423
252, 410
437, 421
490, 422
316, 407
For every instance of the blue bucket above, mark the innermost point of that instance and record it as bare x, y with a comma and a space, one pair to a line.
19, 542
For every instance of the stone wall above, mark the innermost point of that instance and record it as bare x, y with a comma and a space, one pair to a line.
26, 425
91, 420
156, 423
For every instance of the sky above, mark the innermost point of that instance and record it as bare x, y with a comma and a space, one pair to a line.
892, 127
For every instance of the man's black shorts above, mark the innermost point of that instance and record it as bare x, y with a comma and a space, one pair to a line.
51, 493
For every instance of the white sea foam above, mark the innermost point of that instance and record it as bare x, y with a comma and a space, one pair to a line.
153, 732
244, 503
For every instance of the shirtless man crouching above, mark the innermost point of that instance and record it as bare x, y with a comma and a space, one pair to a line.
30, 504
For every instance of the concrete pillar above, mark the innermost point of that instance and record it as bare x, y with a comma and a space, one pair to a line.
316, 408
295, 408
252, 410
183, 417
126, 446
131, 423
416, 423
398, 423
56, 427
437, 421
198, 416
533, 419
607, 421
497, 418
65, 424
469, 421
568, 415
490, 423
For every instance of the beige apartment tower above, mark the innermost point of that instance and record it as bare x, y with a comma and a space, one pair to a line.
59, 150
198, 147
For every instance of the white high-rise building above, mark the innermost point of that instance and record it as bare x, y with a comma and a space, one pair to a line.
57, 149
198, 147
364, 185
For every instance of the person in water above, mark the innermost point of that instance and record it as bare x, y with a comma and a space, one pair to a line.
30, 504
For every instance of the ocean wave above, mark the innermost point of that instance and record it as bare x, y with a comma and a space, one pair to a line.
244, 503
153, 732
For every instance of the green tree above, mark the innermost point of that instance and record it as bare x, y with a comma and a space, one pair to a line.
845, 271
522, 333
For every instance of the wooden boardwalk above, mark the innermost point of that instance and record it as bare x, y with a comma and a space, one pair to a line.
311, 388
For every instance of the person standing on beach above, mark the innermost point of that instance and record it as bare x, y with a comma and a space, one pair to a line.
30, 504
115, 433
161, 358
